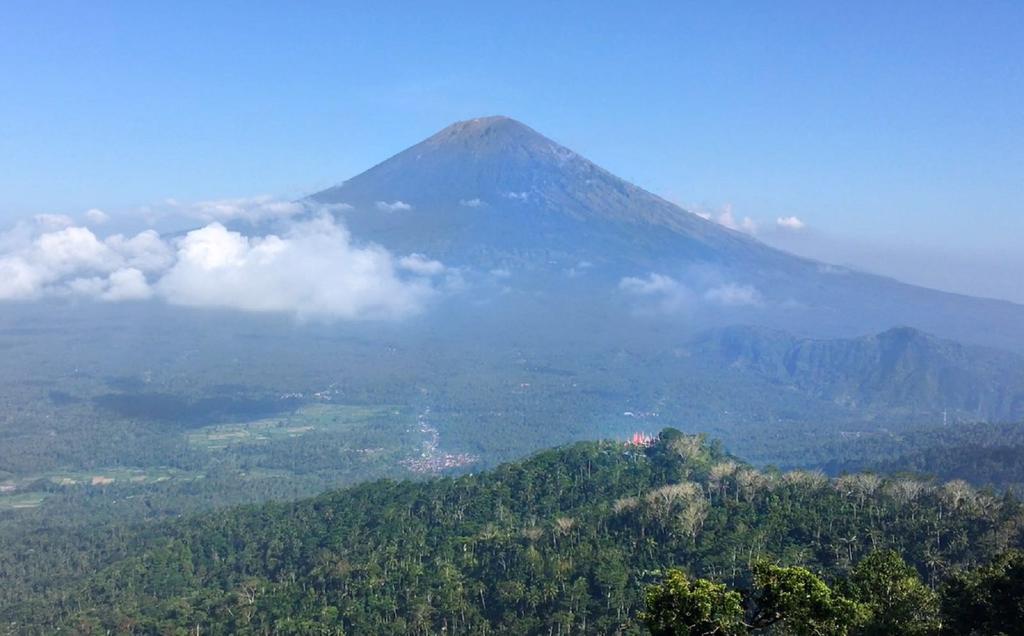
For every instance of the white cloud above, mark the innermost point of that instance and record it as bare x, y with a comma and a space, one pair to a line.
127, 284
145, 251
16, 237
72, 260
471, 203
454, 282
790, 223
123, 284
653, 284
727, 219
248, 209
70, 250
579, 269
724, 216
394, 206
18, 278
668, 294
312, 271
31, 263
96, 216
733, 295
92, 286
420, 265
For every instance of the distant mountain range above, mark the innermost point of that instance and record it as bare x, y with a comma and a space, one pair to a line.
901, 369
491, 194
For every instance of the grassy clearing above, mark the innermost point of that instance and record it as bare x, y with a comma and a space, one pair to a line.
22, 501
30, 490
107, 476
321, 418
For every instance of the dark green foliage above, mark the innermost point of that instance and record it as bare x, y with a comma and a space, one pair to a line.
982, 454
881, 597
898, 601
793, 600
563, 542
988, 600
679, 606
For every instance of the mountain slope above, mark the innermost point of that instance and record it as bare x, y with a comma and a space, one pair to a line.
491, 193
901, 369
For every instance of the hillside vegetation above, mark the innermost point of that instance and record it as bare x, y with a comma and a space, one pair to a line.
564, 542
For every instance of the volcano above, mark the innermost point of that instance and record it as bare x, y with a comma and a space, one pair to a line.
492, 194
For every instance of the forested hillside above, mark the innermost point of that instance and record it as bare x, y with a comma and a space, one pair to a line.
986, 455
565, 542
902, 369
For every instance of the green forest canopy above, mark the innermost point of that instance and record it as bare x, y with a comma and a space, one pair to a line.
564, 542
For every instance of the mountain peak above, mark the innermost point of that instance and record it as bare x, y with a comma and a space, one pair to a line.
494, 185
496, 133
483, 123
494, 124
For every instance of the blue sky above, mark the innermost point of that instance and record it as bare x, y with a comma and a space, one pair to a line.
889, 123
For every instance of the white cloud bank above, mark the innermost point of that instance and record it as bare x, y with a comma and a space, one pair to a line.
789, 223
668, 295
726, 218
96, 216
38, 261
746, 224
255, 209
122, 284
312, 270
420, 264
394, 206
733, 295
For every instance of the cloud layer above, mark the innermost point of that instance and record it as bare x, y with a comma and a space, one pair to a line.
249, 209
789, 223
312, 270
393, 206
665, 295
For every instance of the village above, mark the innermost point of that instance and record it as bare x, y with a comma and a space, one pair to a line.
431, 459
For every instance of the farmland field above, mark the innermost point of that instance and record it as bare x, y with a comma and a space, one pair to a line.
317, 418
21, 501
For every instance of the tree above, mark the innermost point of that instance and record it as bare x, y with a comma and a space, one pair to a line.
793, 600
679, 606
988, 600
898, 601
